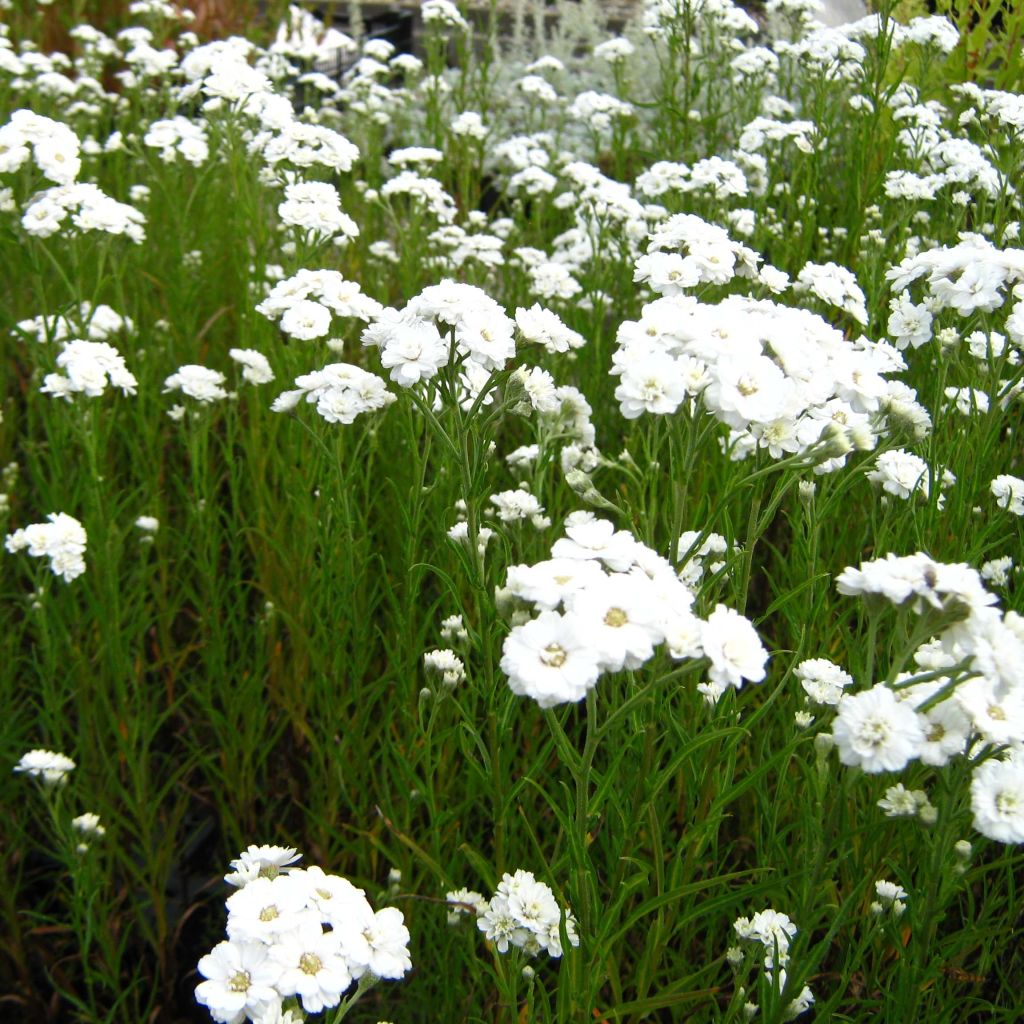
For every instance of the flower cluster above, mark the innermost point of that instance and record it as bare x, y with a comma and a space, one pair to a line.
619, 600
306, 302
769, 932
88, 367
969, 687
296, 937
89, 208
778, 377
522, 913
62, 540
52, 768
340, 392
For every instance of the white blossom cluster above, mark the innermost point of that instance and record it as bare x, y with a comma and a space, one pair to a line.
968, 277
95, 323
179, 136
305, 303
314, 207
50, 767
62, 540
52, 145
605, 602
443, 323
966, 695
296, 937
777, 376
88, 367
522, 913
340, 392
89, 208
769, 932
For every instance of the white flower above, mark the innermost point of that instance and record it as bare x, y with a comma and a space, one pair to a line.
411, 347
315, 207
380, 944
335, 898
51, 767
88, 824
543, 327
900, 802
240, 979
621, 616
1009, 493
448, 664
591, 538
996, 712
88, 367
515, 506
306, 320
260, 862
340, 391
875, 731
889, 892
312, 966
266, 907
900, 473
772, 929
823, 681
255, 367
550, 659
463, 902
62, 540
548, 584
997, 799
735, 650
198, 382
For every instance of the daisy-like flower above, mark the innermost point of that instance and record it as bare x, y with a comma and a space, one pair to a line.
592, 538
240, 979
900, 802
255, 367
1009, 493
620, 615
198, 382
52, 768
548, 584
890, 896
875, 731
88, 824
464, 902
545, 328
88, 366
823, 681
550, 659
312, 966
410, 347
997, 800
261, 862
900, 473
306, 320
735, 650
266, 907
772, 929
378, 945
